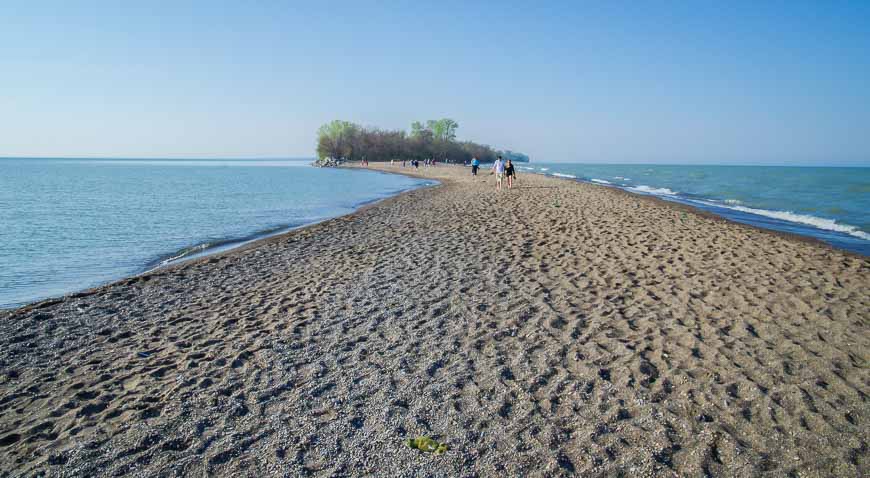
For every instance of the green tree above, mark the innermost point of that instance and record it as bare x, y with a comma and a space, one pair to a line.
443, 129
344, 140
336, 139
417, 129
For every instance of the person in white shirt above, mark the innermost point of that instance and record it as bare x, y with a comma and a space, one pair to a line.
498, 169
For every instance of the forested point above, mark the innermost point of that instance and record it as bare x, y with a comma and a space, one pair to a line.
339, 141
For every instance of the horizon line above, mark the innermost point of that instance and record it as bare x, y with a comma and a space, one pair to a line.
306, 158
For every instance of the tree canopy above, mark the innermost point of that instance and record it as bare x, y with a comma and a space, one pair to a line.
343, 140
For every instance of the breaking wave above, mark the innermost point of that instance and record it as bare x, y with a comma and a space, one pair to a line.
651, 190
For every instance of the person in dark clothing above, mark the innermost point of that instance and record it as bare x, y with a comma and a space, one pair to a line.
510, 173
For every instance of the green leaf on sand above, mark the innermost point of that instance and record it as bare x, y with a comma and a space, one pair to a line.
426, 444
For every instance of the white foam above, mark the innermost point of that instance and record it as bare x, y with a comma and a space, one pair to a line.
622, 178
817, 222
181, 254
527, 168
545, 169
564, 175
652, 190
600, 181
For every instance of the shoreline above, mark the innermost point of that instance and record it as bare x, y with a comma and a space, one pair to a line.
229, 245
710, 214
197, 251
839, 232
697, 209
666, 203
553, 329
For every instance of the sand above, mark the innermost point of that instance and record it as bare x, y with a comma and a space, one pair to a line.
555, 329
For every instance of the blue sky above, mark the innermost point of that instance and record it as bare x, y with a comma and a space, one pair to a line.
675, 82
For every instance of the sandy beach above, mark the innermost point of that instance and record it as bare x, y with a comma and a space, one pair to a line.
556, 329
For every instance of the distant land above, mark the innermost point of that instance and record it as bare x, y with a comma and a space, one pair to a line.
436, 139
514, 156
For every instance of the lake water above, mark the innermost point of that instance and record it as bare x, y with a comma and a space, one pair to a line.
70, 224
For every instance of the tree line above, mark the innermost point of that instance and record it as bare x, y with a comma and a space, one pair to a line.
436, 139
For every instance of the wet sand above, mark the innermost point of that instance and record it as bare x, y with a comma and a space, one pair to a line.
555, 329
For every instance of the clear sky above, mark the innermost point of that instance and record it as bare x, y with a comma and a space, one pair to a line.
700, 82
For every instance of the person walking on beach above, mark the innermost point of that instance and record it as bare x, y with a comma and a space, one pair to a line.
498, 169
475, 163
510, 173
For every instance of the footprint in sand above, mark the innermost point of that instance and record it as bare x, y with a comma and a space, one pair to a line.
132, 382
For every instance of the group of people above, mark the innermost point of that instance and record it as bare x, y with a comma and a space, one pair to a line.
503, 170
415, 163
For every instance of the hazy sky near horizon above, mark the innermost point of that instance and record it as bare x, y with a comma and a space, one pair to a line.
773, 82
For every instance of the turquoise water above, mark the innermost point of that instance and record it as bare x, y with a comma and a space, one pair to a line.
827, 203
66, 224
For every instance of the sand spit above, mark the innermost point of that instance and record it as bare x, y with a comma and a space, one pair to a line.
556, 329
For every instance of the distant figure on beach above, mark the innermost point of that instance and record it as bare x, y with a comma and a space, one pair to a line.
475, 163
510, 173
498, 169
416, 164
